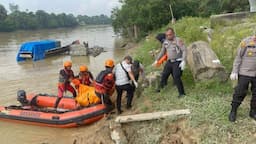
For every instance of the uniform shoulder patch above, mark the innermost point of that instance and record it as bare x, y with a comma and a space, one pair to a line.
243, 44
165, 44
252, 43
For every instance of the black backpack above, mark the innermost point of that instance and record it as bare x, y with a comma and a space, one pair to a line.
136, 69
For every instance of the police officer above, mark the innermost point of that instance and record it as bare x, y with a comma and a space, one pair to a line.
176, 56
244, 70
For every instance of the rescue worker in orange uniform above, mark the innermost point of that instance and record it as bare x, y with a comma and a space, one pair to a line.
65, 77
85, 76
105, 84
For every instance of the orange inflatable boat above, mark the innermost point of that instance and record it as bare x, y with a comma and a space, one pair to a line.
38, 110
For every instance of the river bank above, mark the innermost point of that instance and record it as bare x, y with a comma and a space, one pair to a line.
208, 101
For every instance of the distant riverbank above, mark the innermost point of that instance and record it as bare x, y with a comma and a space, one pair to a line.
27, 20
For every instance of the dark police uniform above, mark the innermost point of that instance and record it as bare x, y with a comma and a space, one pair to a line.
245, 66
176, 52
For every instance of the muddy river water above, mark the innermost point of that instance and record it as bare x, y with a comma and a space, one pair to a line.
42, 77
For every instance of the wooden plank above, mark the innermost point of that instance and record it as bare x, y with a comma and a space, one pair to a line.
150, 116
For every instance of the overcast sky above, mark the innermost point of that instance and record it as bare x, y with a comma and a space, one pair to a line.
76, 7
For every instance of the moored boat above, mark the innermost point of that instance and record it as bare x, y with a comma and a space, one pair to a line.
37, 109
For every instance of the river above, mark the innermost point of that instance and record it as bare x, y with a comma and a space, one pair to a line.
42, 77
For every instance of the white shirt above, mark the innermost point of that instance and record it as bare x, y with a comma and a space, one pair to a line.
120, 74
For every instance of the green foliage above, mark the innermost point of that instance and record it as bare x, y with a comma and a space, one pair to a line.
86, 20
210, 7
188, 29
13, 7
208, 101
147, 46
226, 40
7, 25
148, 15
3, 13
41, 19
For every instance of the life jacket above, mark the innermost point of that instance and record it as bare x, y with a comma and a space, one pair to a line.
85, 79
65, 76
105, 82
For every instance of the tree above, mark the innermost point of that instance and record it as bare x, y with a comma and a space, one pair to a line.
140, 16
53, 22
7, 25
3, 13
147, 15
42, 18
13, 7
101, 19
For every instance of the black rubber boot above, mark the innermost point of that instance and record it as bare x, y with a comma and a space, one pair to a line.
253, 114
232, 114
57, 102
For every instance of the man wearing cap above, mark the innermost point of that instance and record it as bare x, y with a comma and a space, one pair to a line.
123, 75
244, 70
105, 84
85, 76
65, 77
175, 51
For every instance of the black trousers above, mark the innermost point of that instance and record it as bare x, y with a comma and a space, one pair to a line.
106, 100
174, 69
129, 91
57, 102
241, 91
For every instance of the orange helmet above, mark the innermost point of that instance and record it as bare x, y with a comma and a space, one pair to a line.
67, 64
76, 82
109, 63
83, 68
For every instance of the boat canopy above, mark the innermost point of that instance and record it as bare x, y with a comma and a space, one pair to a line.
36, 49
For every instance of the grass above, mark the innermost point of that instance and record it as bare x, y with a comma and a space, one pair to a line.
209, 101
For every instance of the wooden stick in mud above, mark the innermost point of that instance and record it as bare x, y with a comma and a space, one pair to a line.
150, 116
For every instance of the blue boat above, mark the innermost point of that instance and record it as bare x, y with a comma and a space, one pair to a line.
38, 50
